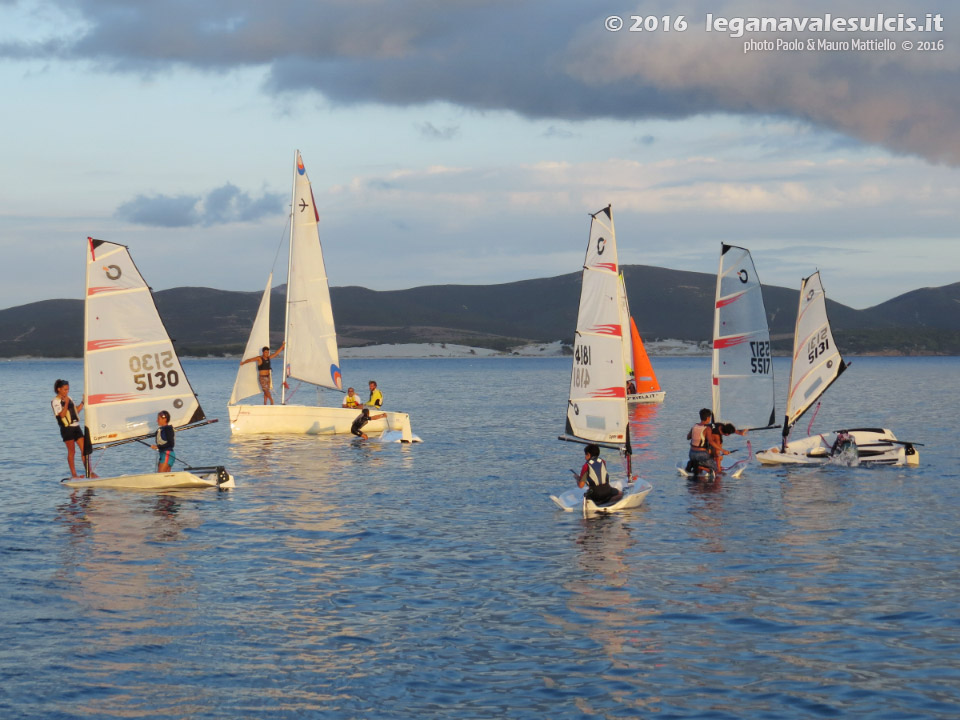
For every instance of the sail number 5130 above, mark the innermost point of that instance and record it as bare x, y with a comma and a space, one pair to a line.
760, 357
150, 371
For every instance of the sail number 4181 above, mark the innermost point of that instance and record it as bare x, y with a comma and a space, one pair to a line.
760, 357
581, 361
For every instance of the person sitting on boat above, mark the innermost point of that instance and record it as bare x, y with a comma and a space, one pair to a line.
720, 431
165, 442
631, 387
352, 400
376, 397
594, 473
362, 419
702, 440
264, 372
68, 420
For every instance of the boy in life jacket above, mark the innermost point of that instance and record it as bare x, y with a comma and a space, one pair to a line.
702, 443
594, 473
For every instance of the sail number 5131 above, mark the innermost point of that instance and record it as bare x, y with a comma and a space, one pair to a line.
150, 371
818, 345
760, 357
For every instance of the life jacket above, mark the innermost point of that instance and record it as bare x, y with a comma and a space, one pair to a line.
264, 364
698, 437
353, 401
597, 472
71, 418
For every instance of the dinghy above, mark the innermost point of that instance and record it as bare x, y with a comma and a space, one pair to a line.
131, 372
642, 384
816, 366
597, 404
310, 342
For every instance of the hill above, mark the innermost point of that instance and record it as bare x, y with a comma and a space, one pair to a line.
666, 304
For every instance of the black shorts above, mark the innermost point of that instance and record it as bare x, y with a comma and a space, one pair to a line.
73, 432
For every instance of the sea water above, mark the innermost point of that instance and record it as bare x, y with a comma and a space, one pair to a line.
348, 579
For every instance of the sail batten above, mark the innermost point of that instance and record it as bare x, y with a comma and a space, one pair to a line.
742, 366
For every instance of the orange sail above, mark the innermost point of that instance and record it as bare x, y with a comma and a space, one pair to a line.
643, 373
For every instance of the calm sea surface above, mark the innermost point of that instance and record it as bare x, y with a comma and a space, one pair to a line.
349, 580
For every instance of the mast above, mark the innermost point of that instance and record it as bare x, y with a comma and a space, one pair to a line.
286, 307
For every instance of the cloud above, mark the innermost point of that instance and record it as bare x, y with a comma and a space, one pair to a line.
431, 132
222, 205
541, 59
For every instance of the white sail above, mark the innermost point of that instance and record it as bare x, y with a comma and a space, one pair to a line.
247, 382
627, 344
131, 371
743, 392
816, 360
597, 410
311, 339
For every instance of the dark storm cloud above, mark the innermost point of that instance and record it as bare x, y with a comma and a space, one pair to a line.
222, 205
541, 59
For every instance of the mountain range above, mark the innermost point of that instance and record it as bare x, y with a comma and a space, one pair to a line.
665, 304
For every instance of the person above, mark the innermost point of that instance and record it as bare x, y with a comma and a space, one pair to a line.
376, 397
165, 442
362, 419
721, 430
264, 373
702, 440
68, 420
631, 387
594, 473
352, 400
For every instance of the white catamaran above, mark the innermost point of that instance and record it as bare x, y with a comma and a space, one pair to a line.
816, 365
597, 405
131, 371
310, 351
642, 384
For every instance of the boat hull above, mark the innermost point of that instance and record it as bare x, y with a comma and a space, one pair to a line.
646, 398
633, 496
182, 479
876, 446
311, 420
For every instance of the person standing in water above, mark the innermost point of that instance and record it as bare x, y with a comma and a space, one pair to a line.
264, 371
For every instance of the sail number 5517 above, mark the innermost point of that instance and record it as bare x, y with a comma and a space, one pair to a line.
760, 357
150, 371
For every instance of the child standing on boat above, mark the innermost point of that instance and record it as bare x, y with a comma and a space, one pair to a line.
165, 442
68, 420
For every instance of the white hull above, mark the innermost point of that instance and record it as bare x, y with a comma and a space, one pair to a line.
649, 398
157, 481
311, 420
875, 446
734, 471
633, 496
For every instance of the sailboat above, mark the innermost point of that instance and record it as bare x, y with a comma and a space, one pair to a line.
642, 384
131, 371
597, 404
817, 364
310, 350
742, 369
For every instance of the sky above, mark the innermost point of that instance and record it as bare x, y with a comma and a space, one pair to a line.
467, 141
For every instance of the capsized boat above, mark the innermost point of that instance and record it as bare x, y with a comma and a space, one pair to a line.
642, 383
597, 404
131, 372
816, 365
310, 350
